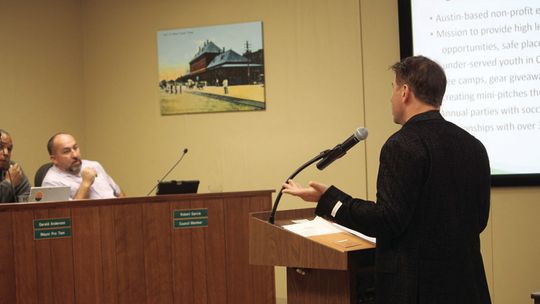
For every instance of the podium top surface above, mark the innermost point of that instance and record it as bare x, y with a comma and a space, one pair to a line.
274, 245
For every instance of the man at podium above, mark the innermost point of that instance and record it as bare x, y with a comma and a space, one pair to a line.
433, 196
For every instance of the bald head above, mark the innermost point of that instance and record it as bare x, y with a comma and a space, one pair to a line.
64, 152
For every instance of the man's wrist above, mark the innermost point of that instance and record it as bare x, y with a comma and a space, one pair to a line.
327, 201
85, 185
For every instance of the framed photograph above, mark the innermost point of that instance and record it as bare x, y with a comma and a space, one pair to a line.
211, 69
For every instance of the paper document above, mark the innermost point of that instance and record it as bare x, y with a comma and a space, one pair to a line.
320, 226
358, 234
317, 226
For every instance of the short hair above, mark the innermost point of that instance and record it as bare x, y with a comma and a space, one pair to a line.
50, 143
424, 76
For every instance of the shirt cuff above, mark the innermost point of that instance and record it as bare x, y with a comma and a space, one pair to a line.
328, 202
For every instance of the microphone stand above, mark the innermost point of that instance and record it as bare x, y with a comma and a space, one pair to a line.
159, 181
278, 197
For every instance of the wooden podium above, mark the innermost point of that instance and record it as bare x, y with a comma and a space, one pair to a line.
324, 269
160, 249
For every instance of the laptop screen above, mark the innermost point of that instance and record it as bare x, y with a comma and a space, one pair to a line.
49, 194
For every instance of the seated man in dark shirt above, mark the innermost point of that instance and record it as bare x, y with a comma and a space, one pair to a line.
13, 182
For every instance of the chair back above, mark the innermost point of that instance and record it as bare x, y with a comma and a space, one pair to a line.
40, 174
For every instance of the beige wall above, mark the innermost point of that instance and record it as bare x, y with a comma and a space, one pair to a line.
326, 74
313, 81
515, 242
40, 75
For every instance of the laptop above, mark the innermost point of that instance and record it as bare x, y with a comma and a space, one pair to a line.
49, 194
178, 187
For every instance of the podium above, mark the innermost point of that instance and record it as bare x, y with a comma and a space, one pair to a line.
330, 269
189, 248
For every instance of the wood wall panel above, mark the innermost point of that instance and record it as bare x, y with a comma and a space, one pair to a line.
182, 254
44, 266
157, 252
25, 257
262, 276
128, 225
108, 255
200, 270
315, 288
7, 259
238, 250
215, 246
62, 263
88, 274
126, 251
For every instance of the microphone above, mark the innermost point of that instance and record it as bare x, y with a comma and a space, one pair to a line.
341, 149
326, 156
159, 181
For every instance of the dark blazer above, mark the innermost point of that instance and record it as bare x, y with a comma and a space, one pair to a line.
7, 194
433, 192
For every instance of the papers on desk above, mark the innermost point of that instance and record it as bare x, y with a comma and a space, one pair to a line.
358, 234
320, 226
317, 226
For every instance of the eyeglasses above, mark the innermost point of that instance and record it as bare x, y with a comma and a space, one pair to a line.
4, 147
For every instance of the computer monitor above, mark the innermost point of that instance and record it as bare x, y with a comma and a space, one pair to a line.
178, 187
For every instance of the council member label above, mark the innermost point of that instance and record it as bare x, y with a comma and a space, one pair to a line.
190, 218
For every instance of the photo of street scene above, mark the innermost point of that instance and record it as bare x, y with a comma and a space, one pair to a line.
211, 69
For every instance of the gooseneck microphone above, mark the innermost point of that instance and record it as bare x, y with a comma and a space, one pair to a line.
341, 149
176, 164
327, 157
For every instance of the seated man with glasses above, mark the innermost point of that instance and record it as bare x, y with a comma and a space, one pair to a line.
13, 182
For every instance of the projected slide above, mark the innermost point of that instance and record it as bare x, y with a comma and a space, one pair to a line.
490, 51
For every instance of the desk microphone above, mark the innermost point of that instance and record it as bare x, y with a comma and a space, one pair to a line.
159, 181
